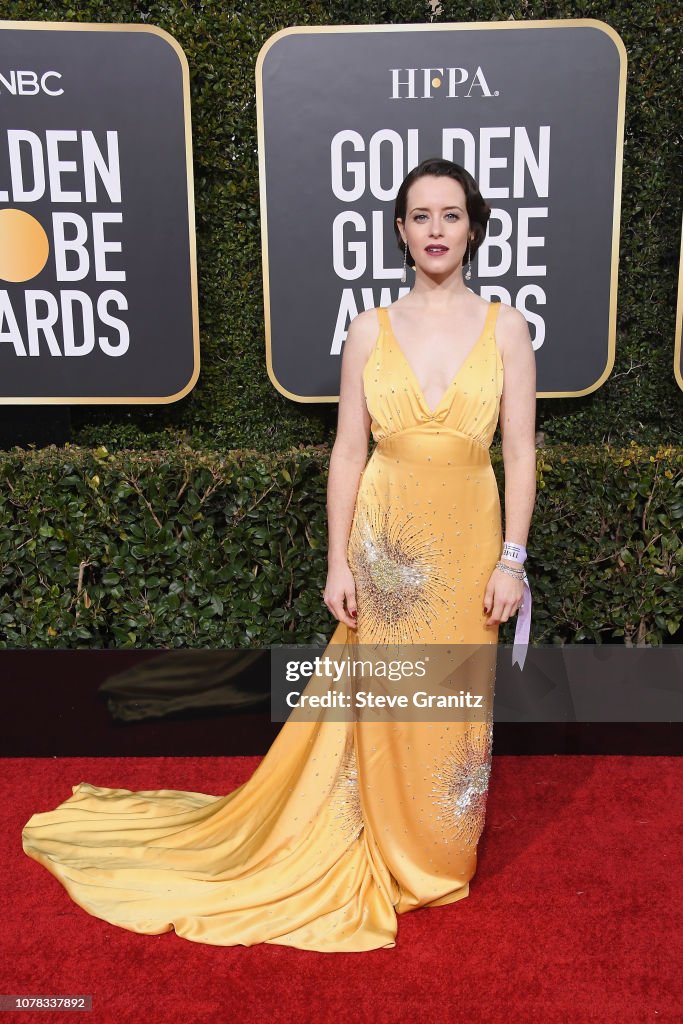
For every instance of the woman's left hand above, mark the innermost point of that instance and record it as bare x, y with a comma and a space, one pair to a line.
502, 597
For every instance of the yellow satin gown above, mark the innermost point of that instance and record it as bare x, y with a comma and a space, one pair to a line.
344, 824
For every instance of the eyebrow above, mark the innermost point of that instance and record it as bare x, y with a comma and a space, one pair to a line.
444, 208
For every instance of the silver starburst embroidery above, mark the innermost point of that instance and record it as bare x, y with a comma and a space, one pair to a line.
461, 785
345, 797
399, 586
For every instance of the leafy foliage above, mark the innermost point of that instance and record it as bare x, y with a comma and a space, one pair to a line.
183, 548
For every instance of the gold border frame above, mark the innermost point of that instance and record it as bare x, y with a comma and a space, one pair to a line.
91, 26
435, 27
679, 317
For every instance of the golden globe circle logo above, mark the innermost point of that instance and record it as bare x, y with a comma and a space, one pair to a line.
24, 246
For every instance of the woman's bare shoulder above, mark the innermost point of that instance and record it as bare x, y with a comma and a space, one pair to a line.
512, 332
512, 327
367, 319
362, 334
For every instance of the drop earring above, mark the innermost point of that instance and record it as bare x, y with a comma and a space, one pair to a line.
468, 272
405, 257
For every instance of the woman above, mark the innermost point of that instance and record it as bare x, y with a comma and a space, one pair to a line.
347, 823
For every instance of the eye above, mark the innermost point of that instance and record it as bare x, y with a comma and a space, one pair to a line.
418, 215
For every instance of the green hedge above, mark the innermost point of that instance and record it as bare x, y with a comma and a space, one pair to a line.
234, 405
182, 548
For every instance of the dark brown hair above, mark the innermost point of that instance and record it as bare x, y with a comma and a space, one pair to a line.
478, 210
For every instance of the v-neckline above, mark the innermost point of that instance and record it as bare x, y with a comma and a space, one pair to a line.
433, 412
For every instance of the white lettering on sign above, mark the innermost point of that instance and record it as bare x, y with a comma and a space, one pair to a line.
28, 83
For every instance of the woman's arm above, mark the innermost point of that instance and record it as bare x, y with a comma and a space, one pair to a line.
518, 432
347, 461
518, 426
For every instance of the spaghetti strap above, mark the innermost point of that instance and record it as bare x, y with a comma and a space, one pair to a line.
491, 315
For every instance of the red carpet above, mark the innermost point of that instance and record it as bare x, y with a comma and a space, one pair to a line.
574, 914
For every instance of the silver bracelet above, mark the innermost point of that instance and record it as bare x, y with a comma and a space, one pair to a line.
517, 573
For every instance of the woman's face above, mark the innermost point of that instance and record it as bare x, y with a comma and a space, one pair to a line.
436, 214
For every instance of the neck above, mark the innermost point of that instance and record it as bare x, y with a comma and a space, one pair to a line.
439, 293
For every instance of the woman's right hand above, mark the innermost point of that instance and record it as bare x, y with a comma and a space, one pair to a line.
340, 594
